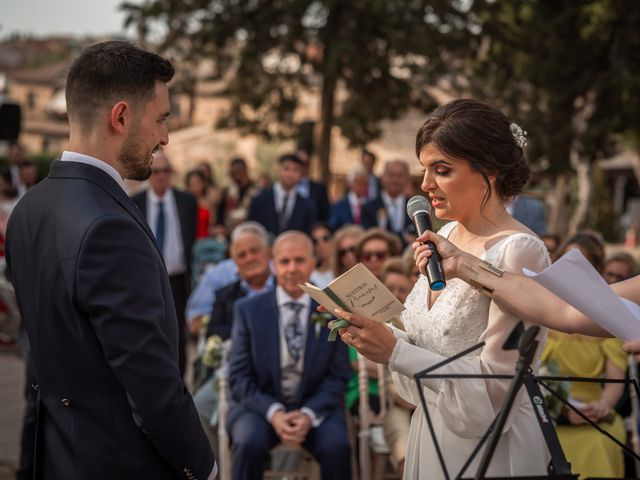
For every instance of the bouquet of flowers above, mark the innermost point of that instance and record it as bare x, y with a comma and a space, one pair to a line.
212, 356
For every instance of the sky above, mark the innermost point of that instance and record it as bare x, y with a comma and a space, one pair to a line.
45, 17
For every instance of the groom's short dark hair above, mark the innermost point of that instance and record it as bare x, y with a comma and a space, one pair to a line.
108, 72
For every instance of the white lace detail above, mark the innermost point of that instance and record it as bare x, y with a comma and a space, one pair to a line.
459, 315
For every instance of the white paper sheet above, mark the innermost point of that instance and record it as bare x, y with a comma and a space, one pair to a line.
573, 279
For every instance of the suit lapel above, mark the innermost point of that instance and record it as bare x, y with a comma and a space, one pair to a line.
310, 351
271, 338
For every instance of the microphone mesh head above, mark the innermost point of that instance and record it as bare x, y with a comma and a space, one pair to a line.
417, 203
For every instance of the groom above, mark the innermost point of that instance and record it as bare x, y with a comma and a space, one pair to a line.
93, 290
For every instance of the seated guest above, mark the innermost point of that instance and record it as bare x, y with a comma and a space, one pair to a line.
203, 295
250, 252
552, 242
590, 453
396, 278
389, 209
286, 380
348, 209
618, 267
344, 253
323, 245
208, 198
236, 197
281, 207
375, 247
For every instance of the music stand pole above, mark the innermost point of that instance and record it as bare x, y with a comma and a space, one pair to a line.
527, 348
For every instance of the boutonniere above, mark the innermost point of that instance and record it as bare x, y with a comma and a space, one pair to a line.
320, 320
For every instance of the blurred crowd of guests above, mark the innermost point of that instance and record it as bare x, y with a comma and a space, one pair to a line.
230, 280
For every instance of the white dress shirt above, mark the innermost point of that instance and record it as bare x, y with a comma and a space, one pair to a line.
395, 211
355, 204
284, 314
88, 160
173, 251
279, 195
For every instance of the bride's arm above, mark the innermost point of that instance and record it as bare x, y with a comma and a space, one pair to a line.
521, 295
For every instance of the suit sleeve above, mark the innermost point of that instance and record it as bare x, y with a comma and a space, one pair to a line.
242, 372
119, 284
220, 322
253, 214
323, 207
368, 215
328, 397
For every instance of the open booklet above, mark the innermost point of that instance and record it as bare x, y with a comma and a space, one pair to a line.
356, 291
574, 280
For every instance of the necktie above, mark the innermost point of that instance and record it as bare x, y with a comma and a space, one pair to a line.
283, 212
160, 224
293, 331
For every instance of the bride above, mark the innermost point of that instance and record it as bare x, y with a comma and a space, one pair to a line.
473, 164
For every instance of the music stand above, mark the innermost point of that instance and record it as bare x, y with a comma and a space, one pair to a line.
526, 343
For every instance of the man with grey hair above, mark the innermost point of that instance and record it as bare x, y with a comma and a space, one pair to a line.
250, 252
348, 209
389, 209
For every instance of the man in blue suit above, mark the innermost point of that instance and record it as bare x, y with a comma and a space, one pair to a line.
529, 211
281, 207
287, 382
348, 210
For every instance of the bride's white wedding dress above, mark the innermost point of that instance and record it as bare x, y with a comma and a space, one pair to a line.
462, 409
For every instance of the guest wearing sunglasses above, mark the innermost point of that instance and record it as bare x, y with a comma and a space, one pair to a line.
375, 247
344, 254
323, 248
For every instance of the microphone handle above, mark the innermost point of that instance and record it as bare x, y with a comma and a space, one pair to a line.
435, 274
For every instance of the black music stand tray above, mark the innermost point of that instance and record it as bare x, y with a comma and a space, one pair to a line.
526, 343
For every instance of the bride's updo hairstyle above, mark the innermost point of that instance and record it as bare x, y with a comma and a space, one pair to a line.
480, 134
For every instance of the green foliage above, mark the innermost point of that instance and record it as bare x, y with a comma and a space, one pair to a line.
368, 54
568, 71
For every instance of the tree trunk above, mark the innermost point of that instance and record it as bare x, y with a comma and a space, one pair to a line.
558, 213
326, 125
584, 171
330, 71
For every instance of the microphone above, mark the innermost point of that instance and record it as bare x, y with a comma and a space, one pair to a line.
419, 211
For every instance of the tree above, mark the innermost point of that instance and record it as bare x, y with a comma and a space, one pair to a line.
568, 70
360, 55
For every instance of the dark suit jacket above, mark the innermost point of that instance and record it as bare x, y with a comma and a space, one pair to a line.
254, 363
530, 211
370, 216
187, 207
320, 199
95, 297
341, 214
263, 211
222, 312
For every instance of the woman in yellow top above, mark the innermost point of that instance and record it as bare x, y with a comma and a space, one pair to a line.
590, 453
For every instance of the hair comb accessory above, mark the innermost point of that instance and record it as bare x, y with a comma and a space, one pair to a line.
519, 135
